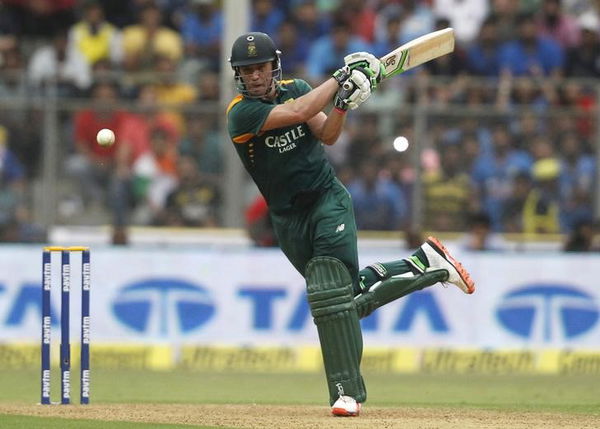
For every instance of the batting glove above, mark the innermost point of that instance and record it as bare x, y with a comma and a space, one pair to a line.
354, 91
367, 61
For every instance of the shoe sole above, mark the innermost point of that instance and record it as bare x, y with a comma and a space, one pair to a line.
464, 274
342, 412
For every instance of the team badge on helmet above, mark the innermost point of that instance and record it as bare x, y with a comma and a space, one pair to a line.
252, 50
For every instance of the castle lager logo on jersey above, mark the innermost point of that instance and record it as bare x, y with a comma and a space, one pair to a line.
285, 142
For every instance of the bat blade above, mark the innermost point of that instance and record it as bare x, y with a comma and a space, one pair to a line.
418, 51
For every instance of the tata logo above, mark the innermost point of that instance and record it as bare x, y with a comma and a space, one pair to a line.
163, 307
548, 312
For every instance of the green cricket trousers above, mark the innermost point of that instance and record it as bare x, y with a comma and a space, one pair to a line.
323, 225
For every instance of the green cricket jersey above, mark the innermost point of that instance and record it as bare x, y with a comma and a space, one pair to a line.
285, 161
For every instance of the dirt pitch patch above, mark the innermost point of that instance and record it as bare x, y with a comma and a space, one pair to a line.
308, 417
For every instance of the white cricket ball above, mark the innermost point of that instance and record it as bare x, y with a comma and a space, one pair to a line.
105, 137
400, 143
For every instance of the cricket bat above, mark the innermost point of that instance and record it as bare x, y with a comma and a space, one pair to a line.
417, 52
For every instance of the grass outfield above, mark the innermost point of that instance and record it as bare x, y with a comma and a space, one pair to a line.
558, 393
561, 394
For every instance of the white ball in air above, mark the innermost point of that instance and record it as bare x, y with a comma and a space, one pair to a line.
400, 143
105, 137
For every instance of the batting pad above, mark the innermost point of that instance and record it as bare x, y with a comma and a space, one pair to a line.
393, 288
330, 296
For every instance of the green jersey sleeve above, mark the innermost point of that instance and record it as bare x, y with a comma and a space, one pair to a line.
302, 86
246, 117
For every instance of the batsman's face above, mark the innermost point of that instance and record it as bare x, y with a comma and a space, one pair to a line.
258, 78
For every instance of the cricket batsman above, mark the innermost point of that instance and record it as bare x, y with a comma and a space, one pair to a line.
278, 128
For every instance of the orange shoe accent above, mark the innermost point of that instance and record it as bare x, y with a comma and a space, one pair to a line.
462, 272
342, 412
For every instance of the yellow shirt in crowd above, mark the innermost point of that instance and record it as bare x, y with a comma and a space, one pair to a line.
166, 42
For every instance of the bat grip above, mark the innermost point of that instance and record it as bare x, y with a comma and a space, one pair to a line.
348, 85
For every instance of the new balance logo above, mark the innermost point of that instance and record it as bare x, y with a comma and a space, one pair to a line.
340, 227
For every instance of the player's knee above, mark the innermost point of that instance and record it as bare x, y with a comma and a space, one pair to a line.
329, 286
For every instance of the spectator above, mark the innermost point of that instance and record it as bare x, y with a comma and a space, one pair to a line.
526, 92
134, 132
575, 95
134, 137
584, 60
360, 17
389, 39
201, 29
15, 225
554, 23
327, 53
93, 165
11, 67
148, 39
577, 178
209, 87
54, 64
505, 13
266, 16
202, 143
581, 239
470, 150
531, 54
541, 147
447, 192
95, 38
310, 24
12, 172
379, 204
364, 140
417, 19
493, 173
466, 17
512, 209
40, 18
483, 56
8, 23
171, 94
195, 200
121, 13
293, 48
541, 212
526, 128
480, 237
154, 176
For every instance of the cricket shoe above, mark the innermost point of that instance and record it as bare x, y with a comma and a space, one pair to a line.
346, 406
439, 258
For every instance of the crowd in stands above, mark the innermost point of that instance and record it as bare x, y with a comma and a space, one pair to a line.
507, 137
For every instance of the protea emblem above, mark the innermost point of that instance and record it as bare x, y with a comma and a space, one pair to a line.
252, 50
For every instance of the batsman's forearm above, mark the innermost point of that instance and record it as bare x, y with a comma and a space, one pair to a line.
316, 100
332, 127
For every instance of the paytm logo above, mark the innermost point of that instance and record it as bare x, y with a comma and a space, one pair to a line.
548, 312
163, 307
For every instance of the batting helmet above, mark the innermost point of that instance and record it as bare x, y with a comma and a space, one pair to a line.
254, 48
